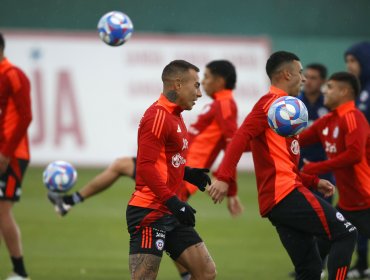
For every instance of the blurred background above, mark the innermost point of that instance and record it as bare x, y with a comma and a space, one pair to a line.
88, 98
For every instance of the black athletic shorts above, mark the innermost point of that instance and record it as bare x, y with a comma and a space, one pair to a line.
165, 233
360, 219
11, 180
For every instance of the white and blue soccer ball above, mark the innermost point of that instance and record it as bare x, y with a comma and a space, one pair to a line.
287, 116
59, 176
115, 28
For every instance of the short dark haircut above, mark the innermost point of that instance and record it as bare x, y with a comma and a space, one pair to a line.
177, 67
349, 79
2, 42
224, 69
277, 59
323, 71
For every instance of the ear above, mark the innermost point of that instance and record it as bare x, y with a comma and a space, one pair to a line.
286, 74
177, 84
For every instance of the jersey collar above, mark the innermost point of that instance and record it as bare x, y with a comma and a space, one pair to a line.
345, 107
168, 105
223, 94
277, 91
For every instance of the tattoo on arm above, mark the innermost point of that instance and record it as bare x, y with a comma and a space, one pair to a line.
144, 266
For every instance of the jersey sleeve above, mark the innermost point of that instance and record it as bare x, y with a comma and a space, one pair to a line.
311, 134
153, 134
254, 124
19, 86
310, 181
355, 145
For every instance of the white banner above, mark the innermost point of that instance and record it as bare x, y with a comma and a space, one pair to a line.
88, 97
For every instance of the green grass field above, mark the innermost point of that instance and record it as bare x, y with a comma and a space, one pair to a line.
91, 242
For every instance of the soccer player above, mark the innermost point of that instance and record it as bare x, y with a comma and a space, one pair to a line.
344, 132
357, 59
157, 219
15, 117
208, 136
284, 198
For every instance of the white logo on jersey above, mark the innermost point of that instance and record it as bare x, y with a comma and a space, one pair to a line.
193, 130
178, 128
330, 148
177, 160
294, 147
325, 131
185, 144
336, 132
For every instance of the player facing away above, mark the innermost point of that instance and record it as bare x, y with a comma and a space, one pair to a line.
283, 192
344, 132
157, 219
15, 117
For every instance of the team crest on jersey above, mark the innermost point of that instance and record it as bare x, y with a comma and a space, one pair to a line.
294, 147
325, 131
336, 132
177, 160
339, 217
159, 243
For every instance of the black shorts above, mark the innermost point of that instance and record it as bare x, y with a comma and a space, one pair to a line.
360, 219
11, 180
161, 233
303, 211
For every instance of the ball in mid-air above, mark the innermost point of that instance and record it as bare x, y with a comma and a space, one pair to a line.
287, 116
59, 176
115, 28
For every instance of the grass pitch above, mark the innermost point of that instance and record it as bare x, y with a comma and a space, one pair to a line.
91, 242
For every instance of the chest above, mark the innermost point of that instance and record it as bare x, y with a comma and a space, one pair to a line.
332, 137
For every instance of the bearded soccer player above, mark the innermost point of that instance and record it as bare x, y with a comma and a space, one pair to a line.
157, 219
15, 117
283, 192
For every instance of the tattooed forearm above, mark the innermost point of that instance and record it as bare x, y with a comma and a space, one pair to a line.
144, 266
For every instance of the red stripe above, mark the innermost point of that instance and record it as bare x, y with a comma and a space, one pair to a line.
150, 237
352, 117
146, 237
142, 237
10, 187
341, 273
155, 121
161, 124
316, 207
266, 107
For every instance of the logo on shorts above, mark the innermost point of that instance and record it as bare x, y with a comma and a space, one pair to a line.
339, 217
159, 244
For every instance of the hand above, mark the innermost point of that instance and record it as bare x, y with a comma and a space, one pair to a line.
218, 190
181, 210
198, 177
4, 162
325, 187
234, 205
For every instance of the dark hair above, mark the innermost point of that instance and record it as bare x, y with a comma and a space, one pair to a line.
349, 79
224, 69
177, 67
323, 71
2, 42
277, 59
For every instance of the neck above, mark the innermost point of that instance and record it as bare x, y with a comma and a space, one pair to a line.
281, 86
171, 95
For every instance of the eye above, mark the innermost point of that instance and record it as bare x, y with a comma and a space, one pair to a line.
197, 85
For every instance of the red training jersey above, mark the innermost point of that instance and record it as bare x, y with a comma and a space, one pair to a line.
161, 156
210, 134
344, 134
15, 111
275, 157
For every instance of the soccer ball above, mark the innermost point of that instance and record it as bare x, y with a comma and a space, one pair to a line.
115, 28
59, 176
287, 116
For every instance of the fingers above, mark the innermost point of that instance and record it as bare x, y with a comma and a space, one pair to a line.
217, 191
